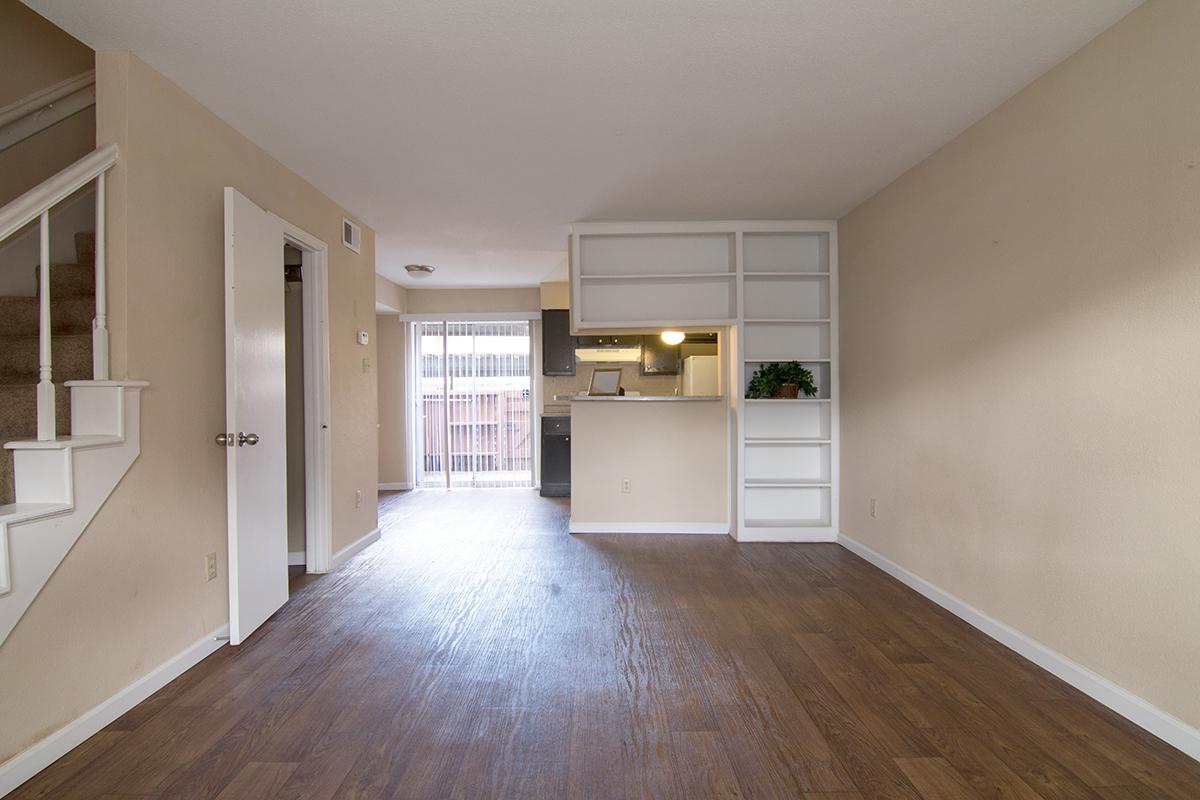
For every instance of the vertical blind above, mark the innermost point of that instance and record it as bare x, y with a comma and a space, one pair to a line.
475, 387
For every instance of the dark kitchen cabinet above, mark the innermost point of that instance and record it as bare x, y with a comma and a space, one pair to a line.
558, 345
556, 457
658, 357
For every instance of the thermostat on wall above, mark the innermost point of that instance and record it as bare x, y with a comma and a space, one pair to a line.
362, 337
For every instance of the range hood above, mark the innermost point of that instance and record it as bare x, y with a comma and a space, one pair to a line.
608, 349
615, 354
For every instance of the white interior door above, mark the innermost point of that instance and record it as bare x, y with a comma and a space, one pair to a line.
255, 413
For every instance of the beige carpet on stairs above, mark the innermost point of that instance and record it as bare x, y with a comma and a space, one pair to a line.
72, 306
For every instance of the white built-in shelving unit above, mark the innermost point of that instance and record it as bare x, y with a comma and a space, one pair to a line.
788, 455
773, 286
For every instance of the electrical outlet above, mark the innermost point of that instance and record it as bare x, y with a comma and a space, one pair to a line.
874, 509
358, 498
626, 487
210, 566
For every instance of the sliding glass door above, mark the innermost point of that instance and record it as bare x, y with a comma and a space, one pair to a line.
474, 406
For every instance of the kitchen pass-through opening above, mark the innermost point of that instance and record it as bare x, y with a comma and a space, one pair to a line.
474, 404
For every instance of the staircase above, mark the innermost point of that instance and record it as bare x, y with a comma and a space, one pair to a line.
73, 304
70, 434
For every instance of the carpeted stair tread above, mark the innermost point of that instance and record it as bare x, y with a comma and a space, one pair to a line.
70, 357
19, 315
71, 280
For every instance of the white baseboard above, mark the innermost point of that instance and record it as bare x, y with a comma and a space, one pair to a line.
297, 558
353, 548
27, 763
650, 527
1170, 729
395, 487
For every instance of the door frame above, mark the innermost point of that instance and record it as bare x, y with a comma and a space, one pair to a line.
314, 286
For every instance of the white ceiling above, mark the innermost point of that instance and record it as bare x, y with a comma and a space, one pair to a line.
471, 134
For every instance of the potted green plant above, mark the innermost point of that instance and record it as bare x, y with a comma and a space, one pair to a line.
779, 380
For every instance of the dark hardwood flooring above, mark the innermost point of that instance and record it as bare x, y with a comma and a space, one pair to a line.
479, 651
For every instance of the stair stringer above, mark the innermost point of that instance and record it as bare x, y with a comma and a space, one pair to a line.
61, 485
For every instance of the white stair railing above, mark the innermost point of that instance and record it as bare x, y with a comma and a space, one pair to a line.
36, 204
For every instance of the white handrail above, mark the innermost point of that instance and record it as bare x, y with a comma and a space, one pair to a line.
36, 204
33, 114
29, 206
40, 99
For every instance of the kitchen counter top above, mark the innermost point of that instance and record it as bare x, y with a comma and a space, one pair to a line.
571, 398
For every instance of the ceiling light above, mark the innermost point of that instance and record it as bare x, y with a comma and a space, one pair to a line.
418, 270
673, 337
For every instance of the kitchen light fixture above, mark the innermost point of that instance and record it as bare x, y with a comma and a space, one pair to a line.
673, 337
419, 270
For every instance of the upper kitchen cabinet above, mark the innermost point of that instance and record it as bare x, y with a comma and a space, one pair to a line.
658, 357
558, 345
648, 275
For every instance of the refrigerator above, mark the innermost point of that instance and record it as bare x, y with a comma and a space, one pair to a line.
700, 376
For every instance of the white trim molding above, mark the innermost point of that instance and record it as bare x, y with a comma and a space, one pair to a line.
353, 549
801, 533
296, 558
705, 528
1170, 729
30, 762
318, 505
395, 487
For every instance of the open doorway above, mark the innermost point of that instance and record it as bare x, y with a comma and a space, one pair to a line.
293, 330
306, 361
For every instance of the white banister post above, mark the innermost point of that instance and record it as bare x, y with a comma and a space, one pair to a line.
100, 323
45, 390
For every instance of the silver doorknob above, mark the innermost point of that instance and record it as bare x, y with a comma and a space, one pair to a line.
224, 440
247, 438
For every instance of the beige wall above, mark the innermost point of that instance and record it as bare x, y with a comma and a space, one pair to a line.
555, 294
390, 294
393, 413
393, 416
1020, 330
132, 593
468, 301
34, 55
675, 455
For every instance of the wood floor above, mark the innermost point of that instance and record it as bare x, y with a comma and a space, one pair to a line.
478, 651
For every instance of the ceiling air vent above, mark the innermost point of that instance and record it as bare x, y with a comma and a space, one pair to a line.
351, 235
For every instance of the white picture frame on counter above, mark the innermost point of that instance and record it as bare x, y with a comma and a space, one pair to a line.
606, 382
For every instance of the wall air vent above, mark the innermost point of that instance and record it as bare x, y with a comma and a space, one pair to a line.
351, 235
